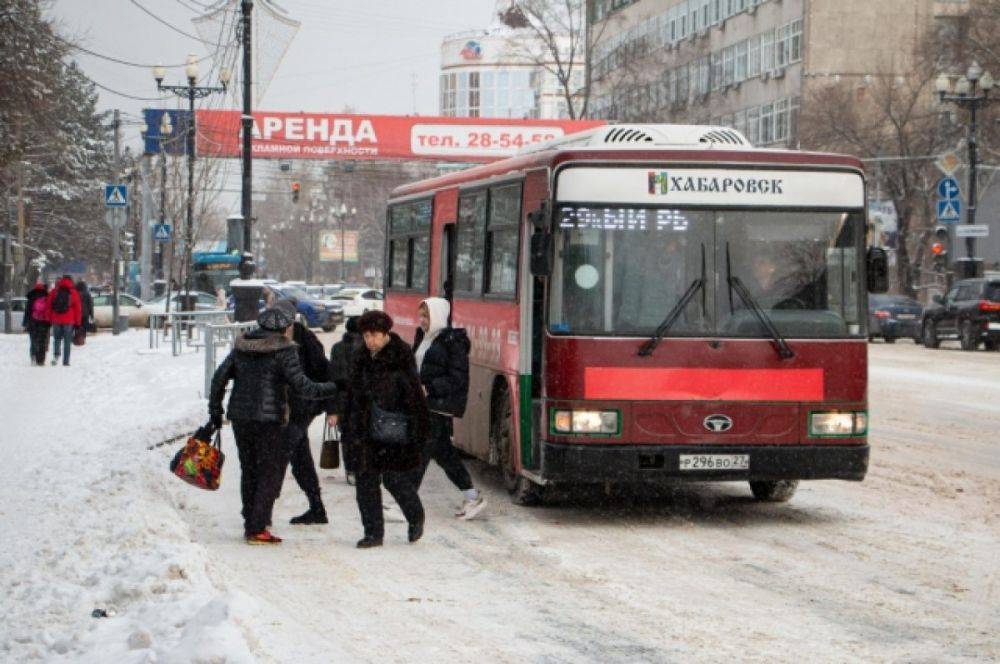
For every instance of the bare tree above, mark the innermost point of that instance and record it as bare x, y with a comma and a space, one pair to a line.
560, 43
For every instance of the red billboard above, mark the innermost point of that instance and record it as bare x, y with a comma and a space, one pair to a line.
279, 135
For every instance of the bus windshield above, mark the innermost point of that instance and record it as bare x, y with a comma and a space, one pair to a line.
620, 271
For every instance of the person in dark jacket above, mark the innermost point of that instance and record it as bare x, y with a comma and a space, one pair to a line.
264, 366
36, 322
86, 307
65, 314
384, 385
342, 357
312, 357
442, 357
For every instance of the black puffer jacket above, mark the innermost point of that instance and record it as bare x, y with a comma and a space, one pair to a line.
445, 370
312, 357
389, 378
263, 366
342, 357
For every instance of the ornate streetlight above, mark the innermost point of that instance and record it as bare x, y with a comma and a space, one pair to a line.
191, 91
970, 92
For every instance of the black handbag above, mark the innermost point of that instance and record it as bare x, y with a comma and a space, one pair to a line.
329, 457
388, 427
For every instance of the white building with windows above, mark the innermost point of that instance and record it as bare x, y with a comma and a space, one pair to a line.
747, 64
500, 72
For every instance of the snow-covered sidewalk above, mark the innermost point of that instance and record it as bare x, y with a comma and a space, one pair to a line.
89, 518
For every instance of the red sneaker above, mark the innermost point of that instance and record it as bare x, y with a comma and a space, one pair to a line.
263, 537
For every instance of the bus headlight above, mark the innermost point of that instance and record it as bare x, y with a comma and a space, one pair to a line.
838, 424
586, 421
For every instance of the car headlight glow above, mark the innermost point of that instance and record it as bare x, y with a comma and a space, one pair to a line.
586, 421
838, 423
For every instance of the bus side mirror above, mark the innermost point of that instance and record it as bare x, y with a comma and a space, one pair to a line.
878, 270
541, 262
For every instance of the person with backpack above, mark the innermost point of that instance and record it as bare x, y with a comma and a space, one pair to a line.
388, 420
312, 357
36, 322
65, 314
442, 356
264, 367
86, 308
342, 357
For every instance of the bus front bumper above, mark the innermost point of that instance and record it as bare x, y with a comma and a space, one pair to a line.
652, 463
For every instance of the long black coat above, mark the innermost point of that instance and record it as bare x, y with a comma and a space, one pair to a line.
263, 366
342, 358
445, 370
28, 322
312, 357
389, 378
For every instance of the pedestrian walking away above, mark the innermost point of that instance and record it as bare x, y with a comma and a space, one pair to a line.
342, 358
387, 418
36, 322
312, 357
65, 314
86, 307
442, 357
264, 366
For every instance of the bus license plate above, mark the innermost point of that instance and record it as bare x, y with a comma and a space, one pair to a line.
714, 462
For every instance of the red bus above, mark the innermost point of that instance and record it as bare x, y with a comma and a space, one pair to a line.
650, 303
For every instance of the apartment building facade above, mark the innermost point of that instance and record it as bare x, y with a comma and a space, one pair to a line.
746, 64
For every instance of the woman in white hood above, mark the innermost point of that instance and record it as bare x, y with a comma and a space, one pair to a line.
442, 355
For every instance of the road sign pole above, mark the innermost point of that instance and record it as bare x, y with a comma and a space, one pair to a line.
116, 249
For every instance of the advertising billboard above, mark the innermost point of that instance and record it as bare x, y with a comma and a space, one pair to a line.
329, 247
280, 135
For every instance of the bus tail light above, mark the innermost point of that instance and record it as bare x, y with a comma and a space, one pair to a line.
586, 422
837, 424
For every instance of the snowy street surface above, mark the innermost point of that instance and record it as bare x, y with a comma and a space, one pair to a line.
900, 567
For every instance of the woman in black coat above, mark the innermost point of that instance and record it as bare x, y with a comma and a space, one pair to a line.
36, 322
384, 380
342, 357
264, 367
86, 307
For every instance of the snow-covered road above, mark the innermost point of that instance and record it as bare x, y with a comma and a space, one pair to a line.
900, 567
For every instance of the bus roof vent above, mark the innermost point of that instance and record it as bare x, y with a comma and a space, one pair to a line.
646, 137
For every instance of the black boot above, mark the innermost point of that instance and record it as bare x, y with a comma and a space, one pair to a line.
415, 531
369, 541
312, 516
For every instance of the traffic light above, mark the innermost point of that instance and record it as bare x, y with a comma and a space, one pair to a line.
295, 192
939, 248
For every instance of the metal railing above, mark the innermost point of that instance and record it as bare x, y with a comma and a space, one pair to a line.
216, 335
177, 323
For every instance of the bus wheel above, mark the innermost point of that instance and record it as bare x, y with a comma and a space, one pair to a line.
778, 491
522, 490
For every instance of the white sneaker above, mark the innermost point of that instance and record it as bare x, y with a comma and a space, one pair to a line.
470, 508
392, 513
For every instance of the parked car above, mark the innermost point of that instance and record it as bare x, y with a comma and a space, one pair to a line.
158, 305
133, 307
17, 305
894, 316
969, 312
357, 302
316, 313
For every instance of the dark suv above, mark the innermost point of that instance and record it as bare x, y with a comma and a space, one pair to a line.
969, 312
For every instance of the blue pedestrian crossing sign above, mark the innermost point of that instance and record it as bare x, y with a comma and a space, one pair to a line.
948, 188
949, 211
115, 195
162, 232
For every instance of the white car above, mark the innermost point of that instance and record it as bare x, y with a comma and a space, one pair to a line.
357, 302
17, 303
128, 305
158, 305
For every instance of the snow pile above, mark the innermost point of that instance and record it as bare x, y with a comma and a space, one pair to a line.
90, 518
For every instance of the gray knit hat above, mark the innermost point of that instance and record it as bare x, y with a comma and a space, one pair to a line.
275, 319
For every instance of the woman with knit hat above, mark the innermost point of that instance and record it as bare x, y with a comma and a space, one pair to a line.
264, 366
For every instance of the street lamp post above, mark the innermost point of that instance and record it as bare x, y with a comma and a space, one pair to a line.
191, 91
970, 92
341, 215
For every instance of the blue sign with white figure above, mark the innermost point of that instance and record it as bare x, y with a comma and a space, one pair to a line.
948, 188
949, 211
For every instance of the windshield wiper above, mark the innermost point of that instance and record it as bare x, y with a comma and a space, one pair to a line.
765, 321
647, 348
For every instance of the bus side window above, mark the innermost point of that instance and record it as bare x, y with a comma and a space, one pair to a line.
470, 243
